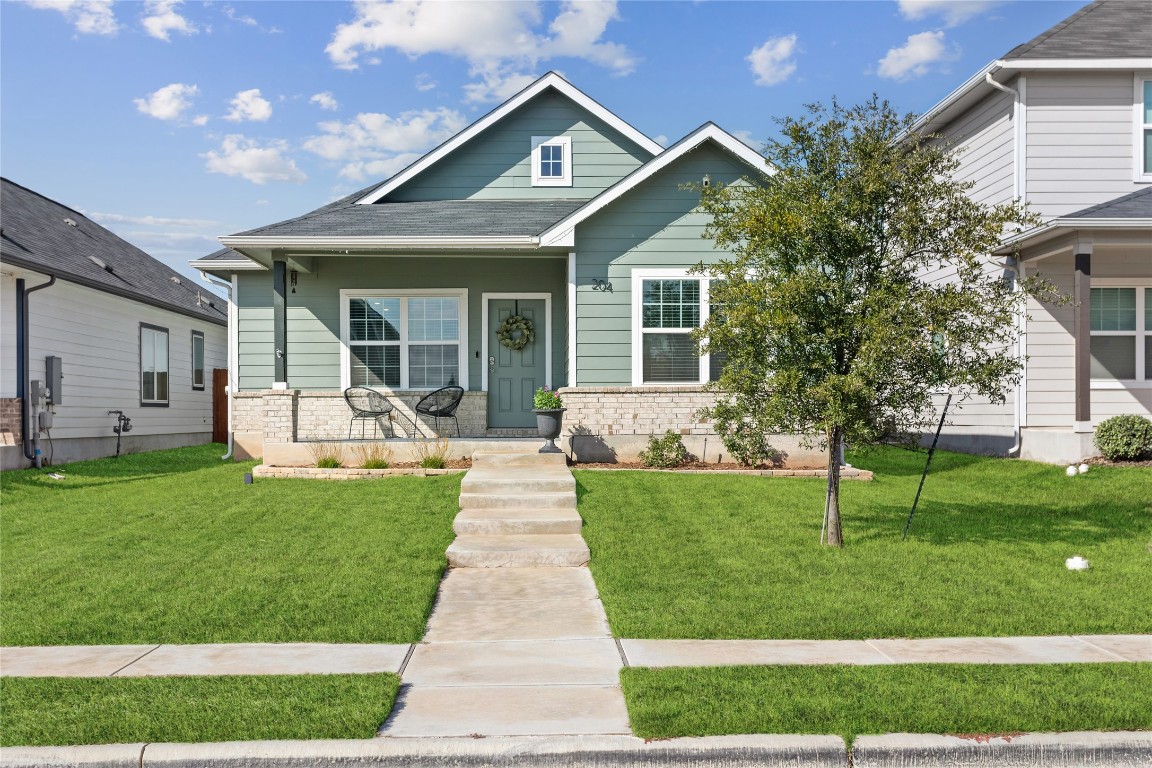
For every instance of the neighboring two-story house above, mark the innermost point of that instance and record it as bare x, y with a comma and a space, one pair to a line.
107, 328
1064, 123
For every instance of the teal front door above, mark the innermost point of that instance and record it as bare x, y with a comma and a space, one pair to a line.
514, 375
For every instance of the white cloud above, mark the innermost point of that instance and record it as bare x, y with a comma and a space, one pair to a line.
501, 40
233, 15
424, 82
953, 12
161, 18
246, 158
916, 56
89, 17
373, 143
251, 106
200, 120
151, 221
325, 100
772, 63
662, 140
169, 102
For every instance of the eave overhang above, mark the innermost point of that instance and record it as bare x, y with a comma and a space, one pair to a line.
1059, 227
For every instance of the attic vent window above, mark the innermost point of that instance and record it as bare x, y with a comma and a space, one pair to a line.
71, 222
551, 161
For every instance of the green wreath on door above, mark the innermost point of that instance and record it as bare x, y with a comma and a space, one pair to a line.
516, 333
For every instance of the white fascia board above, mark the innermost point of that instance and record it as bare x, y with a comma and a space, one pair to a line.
563, 233
1023, 65
1058, 227
379, 243
227, 265
550, 80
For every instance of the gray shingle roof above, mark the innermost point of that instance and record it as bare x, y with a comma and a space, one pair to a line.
1105, 29
1135, 205
482, 218
35, 233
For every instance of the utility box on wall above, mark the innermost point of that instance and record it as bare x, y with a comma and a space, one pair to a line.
53, 375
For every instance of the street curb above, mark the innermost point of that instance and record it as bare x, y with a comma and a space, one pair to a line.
1127, 749
524, 752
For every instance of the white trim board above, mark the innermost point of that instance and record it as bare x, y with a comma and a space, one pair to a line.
484, 298
550, 80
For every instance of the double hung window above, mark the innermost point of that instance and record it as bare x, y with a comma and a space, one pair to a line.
197, 360
667, 305
404, 341
153, 365
1143, 149
1122, 333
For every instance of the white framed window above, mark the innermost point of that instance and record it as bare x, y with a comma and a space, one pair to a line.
667, 305
153, 365
1121, 344
1142, 102
551, 161
197, 360
404, 339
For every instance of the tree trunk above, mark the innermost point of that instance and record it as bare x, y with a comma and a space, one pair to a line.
833, 536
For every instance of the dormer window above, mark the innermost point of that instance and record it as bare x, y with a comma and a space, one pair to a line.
551, 161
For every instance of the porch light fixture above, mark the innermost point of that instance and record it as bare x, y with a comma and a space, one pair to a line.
292, 279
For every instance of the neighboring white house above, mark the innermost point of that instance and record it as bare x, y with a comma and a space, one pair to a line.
130, 335
1064, 123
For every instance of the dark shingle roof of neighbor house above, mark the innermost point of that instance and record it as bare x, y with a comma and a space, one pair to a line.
44, 236
1135, 205
1105, 29
482, 218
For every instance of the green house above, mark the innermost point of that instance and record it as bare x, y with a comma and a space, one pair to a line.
549, 208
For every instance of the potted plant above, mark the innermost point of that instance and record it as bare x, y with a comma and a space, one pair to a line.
549, 410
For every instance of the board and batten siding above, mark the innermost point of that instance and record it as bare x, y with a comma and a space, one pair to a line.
655, 225
1080, 143
496, 165
984, 140
313, 311
97, 337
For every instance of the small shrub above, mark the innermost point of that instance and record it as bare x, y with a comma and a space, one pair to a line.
431, 454
664, 452
326, 455
546, 400
746, 443
372, 455
1125, 438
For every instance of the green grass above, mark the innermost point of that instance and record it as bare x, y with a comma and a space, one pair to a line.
700, 556
61, 711
920, 698
173, 547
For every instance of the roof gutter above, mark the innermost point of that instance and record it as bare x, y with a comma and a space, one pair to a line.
347, 244
981, 78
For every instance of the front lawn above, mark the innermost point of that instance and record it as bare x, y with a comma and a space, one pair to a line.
173, 547
60, 711
709, 556
915, 698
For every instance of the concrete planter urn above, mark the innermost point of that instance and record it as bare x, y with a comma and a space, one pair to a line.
548, 424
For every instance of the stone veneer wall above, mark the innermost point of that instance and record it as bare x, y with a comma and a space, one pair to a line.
290, 415
635, 410
11, 431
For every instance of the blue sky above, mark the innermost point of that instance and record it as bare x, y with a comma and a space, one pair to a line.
171, 122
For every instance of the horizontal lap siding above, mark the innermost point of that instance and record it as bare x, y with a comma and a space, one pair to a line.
97, 337
1052, 350
983, 139
313, 312
496, 165
1080, 140
653, 226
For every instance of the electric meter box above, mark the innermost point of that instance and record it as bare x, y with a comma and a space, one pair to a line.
53, 374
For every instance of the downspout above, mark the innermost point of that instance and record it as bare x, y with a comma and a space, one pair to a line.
22, 363
1017, 266
232, 331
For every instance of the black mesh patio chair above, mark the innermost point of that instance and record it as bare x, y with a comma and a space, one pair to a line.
367, 404
441, 404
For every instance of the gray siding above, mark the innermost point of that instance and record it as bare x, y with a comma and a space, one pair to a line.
1080, 140
654, 225
313, 312
984, 138
97, 337
497, 164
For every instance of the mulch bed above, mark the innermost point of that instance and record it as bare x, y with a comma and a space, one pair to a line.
1100, 461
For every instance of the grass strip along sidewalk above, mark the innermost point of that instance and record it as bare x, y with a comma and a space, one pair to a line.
918, 698
732, 557
63, 711
173, 547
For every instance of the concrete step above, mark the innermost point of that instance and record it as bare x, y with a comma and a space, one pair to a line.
520, 480
522, 551
517, 521
565, 500
518, 459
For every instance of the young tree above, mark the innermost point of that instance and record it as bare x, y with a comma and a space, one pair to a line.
858, 282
